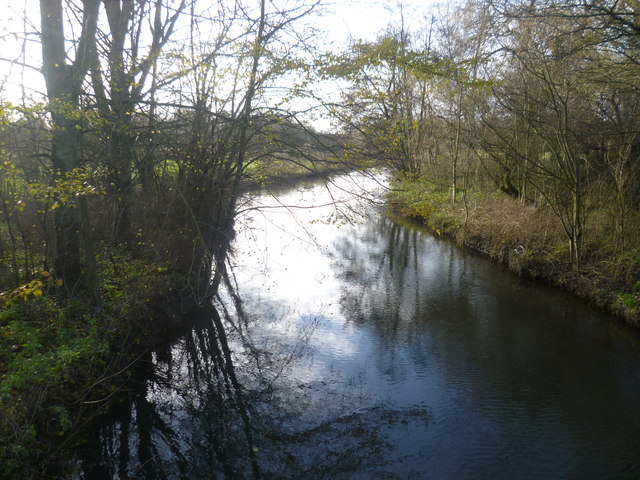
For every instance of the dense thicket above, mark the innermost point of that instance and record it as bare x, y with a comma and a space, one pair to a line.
118, 186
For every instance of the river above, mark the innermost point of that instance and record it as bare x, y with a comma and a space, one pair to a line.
365, 348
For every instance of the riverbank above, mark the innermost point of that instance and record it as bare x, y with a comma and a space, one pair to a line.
529, 241
64, 360
281, 173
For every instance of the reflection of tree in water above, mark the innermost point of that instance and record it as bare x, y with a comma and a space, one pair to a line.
320, 429
353, 445
418, 294
409, 288
187, 420
191, 419
379, 268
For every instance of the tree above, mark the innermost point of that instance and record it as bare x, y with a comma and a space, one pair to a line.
463, 44
387, 107
64, 86
555, 126
120, 82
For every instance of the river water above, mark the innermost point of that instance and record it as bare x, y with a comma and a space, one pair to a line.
364, 348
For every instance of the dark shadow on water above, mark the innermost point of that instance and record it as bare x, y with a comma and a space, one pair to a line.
190, 417
185, 419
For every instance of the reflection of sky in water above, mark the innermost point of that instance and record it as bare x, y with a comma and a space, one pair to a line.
283, 257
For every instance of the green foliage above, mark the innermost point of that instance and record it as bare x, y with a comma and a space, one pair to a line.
32, 289
46, 347
55, 351
120, 276
627, 300
67, 187
387, 50
423, 200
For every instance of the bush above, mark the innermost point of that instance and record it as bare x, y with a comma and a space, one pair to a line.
56, 355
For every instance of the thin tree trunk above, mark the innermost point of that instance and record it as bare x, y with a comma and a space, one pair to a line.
456, 148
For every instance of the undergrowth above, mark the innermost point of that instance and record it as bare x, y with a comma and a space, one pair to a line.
58, 359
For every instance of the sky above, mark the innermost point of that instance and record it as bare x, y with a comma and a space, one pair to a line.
341, 21
364, 19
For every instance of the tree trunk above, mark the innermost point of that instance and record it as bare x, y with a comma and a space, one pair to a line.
577, 221
456, 148
63, 89
120, 158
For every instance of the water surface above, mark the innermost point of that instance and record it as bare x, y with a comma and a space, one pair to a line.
368, 349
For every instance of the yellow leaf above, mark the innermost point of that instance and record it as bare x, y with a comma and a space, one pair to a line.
59, 282
37, 292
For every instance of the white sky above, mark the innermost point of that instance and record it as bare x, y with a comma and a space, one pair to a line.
341, 20
364, 19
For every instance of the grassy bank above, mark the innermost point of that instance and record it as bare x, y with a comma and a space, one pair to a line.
529, 240
277, 172
62, 360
